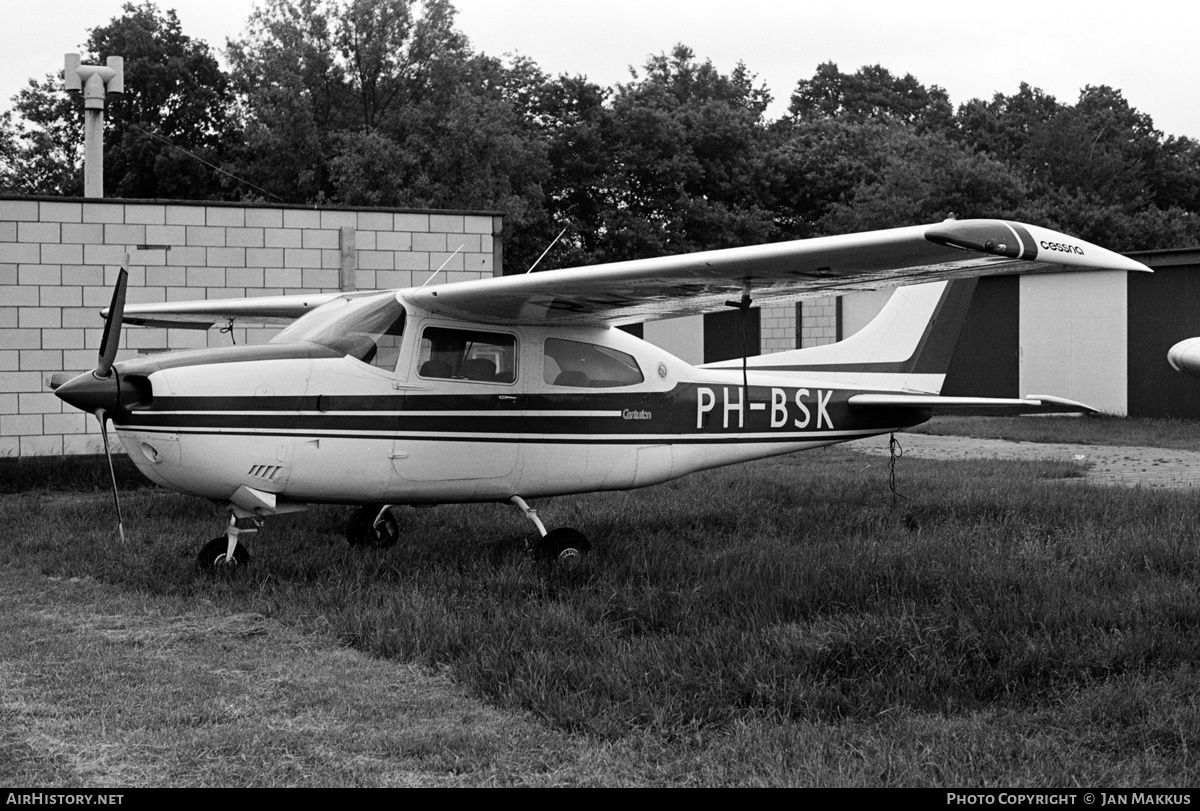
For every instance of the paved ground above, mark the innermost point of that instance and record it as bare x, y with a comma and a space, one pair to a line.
1107, 464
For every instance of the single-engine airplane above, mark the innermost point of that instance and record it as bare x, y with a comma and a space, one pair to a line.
513, 388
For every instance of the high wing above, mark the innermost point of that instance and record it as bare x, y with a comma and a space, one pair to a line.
687, 284
648, 289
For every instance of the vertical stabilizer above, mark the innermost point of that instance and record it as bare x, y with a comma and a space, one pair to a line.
907, 347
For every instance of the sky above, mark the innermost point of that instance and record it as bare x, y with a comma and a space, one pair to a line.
973, 50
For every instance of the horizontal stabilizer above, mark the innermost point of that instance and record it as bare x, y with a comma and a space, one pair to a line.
978, 406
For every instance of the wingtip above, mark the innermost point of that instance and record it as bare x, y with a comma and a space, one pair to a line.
1016, 240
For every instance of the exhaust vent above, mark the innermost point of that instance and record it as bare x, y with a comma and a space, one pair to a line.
266, 472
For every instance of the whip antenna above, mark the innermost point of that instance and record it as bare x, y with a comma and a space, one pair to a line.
439, 270
548, 247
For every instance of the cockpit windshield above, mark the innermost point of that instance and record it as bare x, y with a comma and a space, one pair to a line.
368, 328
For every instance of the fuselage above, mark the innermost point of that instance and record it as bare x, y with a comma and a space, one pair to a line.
425, 409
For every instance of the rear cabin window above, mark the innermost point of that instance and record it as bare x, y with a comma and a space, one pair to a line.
589, 366
460, 354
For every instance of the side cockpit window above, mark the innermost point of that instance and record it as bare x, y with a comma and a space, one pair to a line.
583, 365
461, 354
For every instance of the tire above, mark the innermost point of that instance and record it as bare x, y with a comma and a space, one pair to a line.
361, 529
565, 546
212, 556
358, 526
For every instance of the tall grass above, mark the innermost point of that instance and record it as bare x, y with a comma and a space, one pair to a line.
783, 592
61, 473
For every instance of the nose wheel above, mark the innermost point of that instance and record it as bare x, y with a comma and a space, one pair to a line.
215, 557
226, 553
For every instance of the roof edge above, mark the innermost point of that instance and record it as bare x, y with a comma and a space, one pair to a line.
247, 204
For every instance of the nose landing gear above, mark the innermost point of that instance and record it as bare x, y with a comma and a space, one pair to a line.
225, 553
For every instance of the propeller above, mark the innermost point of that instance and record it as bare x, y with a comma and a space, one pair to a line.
99, 391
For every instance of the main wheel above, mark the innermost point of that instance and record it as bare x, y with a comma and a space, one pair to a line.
362, 530
568, 547
213, 556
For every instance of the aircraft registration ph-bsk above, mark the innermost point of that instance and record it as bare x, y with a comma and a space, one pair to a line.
506, 389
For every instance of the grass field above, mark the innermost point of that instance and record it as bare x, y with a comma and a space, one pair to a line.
1092, 430
779, 623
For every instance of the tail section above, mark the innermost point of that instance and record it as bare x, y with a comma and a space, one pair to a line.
907, 347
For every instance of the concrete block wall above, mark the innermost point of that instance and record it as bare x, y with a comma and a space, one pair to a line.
818, 322
777, 327
60, 257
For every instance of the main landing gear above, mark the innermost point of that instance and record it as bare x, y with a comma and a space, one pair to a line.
376, 525
568, 547
372, 525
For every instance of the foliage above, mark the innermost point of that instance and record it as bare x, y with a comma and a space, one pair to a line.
177, 100
871, 93
1098, 169
165, 133
42, 151
382, 103
669, 164
385, 103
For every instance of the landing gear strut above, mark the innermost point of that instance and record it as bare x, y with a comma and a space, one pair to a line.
225, 553
568, 547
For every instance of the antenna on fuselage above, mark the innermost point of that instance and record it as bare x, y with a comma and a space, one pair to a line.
548, 247
448, 258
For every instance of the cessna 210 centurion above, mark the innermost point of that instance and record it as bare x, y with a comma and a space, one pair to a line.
513, 388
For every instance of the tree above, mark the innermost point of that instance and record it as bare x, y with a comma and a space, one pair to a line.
320, 78
926, 179
177, 101
872, 92
1098, 169
1003, 126
673, 164
42, 152
164, 135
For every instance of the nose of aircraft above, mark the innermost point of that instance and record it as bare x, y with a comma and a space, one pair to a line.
1185, 357
90, 393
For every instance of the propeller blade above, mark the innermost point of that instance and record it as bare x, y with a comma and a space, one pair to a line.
103, 418
112, 324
